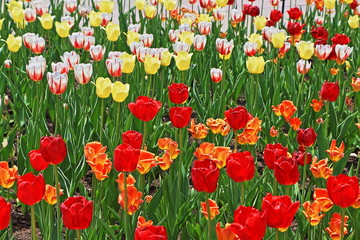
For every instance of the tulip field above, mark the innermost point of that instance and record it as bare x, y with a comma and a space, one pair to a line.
180, 119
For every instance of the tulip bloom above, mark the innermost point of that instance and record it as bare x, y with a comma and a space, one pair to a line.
335, 224
57, 82
35, 71
178, 93
343, 52
250, 48
151, 64
120, 91
286, 171
5, 213
133, 138
53, 149
126, 158
77, 40
305, 49
89, 41
71, 58
205, 175
62, 29
147, 39
37, 45
255, 65
343, 190
95, 19
336, 153
97, 52
103, 87
114, 67
354, 21
134, 199
322, 52
50, 194
60, 67
303, 66
320, 169
294, 13
279, 211
37, 161
150, 232
249, 223
237, 117
13, 43
146, 162
330, 91
83, 72
30, 15
180, 116
112, 32
224, 47
355, 84
70, 5
7, 175
128, 62
216, 75
214, 209
77, 212
240, 166
260, 22
225, 233
46, 21
198, 131
182, 60
306, 137
31, 188
204, 27
199, 42
144, 108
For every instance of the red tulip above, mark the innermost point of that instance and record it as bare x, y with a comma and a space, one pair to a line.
144, 108
151, 232
275, 15
286, 171
205, 175
273, 152
133, 138
37, 161
330, 91
180, 116
343, 190
77, 212
320, 33
294, 28
178, 93
294, 13
240, 166
126, 158
31, 188
306, 137
299, 157
237, 117
5, 211
341, 39
249, 223
53, 149
279, 211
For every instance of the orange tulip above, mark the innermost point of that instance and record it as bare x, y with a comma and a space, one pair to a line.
50, 194
295, 123
355, 83
336, 153
335, 226
165, 161
312, 212
208, 150
134, 199
130, 181
317, 105
92, 149
100, 165
320, 168
204, 151
170, 146
7, 175
146, 162
334, 71
214, 209
218, 126
321, 195
225, 233
198, 131
357, 202
148, 198
143, 223
273, 132
250, 133
285, 109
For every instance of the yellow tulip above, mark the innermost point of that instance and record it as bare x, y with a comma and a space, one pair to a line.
17, 14
1, 23
278, 39
260, 22
128, 63
139, 4
255, 65
14, 4
225, 57
170, 4
62, 29
183, 60
150, 11
329, 4
354, 21
120, 91
95, 18
46, 21
13, 43
256, 38
132, 37
305, 49
103, 87
106, 6
152, 64
348, 1
187, 20
112, 31
221, 3
187, 37
204, 18
166, 58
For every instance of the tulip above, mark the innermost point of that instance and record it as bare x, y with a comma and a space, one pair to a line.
294, 13
354, 21
77, 212
150, 232
300, 156
272, 153
128, 62
77, 40
151, 64
89, 41
216, 75
225, 233
60, 67
71, 58
224, 47
180, 116
286, 171
112, 32
322, 51
37, 45
7, 63
83, 72
178, 93
205, 175
150, 11
329, 4
278, 39
214, 209
7, 175
134, 27
204, 28
62, 29
146, 39
306, 137
279, 211
329, 91
343, 190
13, 43
106, 6
53, 149
57, 82
133, 199
240, 166
120, 91
335, 226
37, 161
260, 22
126, 158
294, 28
35, 71
320, 169
132, 37
144, 108
139, 4
30, 188
199, 42
97, 52
95, 19
17, 14
46, 21
355, 84
249, 223
30, 15
27, 38
84, 10
166, 57
87, 31
343, 52
133, 138
219, 14
255, 65
303, 66
275, 15
5, 213
305, 49
70, 5
198, 131
103, 87
237, 117
50, 194
336, 153
114, 67
250, 48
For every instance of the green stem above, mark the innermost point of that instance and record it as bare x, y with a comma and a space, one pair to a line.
298, 105
102, 118
78, 234
93, 192
357, 235
276, 234
117, 124
58, 217
342, 223
222, 92
304, 176
33, 223
208, 215
275, 185
144, 136
183, 77
127, 236
242, 192
327, 121
149, 85
235, 142
179, 168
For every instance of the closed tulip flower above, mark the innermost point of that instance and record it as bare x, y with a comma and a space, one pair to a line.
77, 40
5, 213
37, 45
205, 175
329, 4
62, 29
151, 64
279, 211
306, 137
343, 190
305, 49
249, 223
103, 87
237, 117
126, 158
240, 166
57, 82
166, 57
88, 42
343, 52
70, 5
128, 62
187, 37
97, 52
303, 66
180, 116
278, 39
83, 72
260, 22
46, 21
17, 14
178, 93
13, 43
133, 138
131, 37
255, 65
146, 39
144, 108
150, 11
204, 27
273, 152
30, 188
95, 19
322, 51
106, 6
77, 212
120, 91
150, 232
37, 161
250, 48
114, 66
330, 91
30, 15
170, 4
140, 4
354, 21
183, 60
199, 42
286, 171
71, 58
224, 47
35, 71
112, 32
53, 149
216, 75
7, 175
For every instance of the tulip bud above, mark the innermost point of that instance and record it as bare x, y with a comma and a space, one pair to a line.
199, 42
260, 22
120, 91
37, 45
306, 137
151, 64
30, 15
113, 67
62, 29
13, 43
303, 66
83, 72
70, 5
150, 11
216, 75
57, 82
77, 212
7, 63
255, 65
97, 52
71, 58
35, 71
250, 48
204, 28
77, 40
329, 91
219, 14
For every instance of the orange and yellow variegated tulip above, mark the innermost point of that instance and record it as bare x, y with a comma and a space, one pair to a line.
130, 181
217, 125
335, 224
165, 161
170, 146
134, 199
204, 151
219, 156
317, 105
322, 196
7, 175
336, 153
225, 233
148, 198
101, 166
50, 194
250, 133
355, 83
273, 132
214, 209
286, 109
320, 168
146, 162
295, 123
312, 212
357, 202
92, 149
141, 222
198, 131
208, 150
